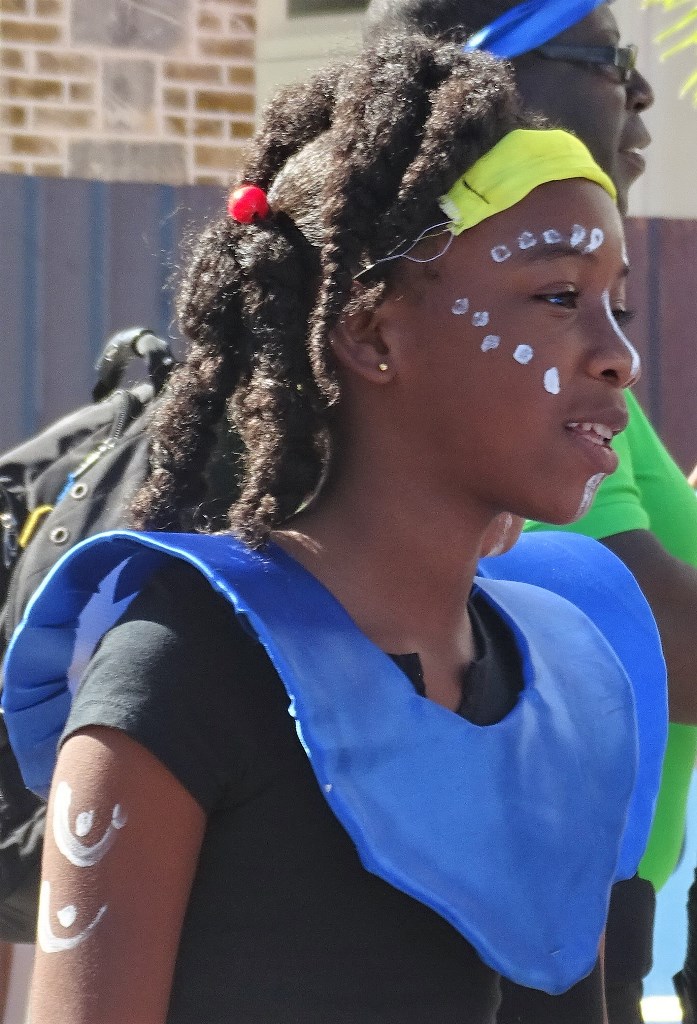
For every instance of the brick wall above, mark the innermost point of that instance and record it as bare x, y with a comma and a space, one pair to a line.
142, 90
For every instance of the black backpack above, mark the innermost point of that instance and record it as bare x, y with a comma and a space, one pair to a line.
74, 479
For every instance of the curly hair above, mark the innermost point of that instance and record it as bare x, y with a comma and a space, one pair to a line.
353, 161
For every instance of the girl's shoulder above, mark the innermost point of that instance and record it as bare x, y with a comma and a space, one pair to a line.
179, 674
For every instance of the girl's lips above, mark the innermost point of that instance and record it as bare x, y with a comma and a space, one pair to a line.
594, 441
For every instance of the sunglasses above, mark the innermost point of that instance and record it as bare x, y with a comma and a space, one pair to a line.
621, 59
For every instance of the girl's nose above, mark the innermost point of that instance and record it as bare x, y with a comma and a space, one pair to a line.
616, 360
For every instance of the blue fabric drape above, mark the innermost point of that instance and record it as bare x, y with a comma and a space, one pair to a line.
512, 832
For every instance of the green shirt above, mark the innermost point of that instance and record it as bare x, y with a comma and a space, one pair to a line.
648, 491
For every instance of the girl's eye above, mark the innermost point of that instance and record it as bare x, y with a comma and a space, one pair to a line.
623, 316
565, 299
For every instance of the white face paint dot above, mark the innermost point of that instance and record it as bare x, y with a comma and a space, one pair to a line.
460, 306
523, 354
552, 236
67, 915
491, 341
527, 240
480, 319
596, 240
328, 787
83, 823
578, 234
500, 253
551, 381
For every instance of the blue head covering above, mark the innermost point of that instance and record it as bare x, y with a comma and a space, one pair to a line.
529, 25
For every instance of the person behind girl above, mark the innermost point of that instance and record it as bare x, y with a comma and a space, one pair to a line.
570, 67
411, 313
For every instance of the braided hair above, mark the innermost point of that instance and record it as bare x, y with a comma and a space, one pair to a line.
353, 161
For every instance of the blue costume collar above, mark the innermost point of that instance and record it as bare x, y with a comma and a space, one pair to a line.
506, 831
529, 25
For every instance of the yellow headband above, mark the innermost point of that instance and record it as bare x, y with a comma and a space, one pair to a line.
522, 160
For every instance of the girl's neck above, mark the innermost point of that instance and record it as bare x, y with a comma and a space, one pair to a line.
400, 563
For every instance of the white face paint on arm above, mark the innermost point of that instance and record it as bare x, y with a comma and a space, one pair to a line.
78, 853
48, 941
81, 856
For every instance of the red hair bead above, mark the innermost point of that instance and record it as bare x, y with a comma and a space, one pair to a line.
247, 203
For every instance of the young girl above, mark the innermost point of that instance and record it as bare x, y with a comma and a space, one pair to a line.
410, 312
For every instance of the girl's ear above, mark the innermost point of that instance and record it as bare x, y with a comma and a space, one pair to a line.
359, 346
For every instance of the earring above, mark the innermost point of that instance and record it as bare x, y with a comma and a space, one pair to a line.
383, 367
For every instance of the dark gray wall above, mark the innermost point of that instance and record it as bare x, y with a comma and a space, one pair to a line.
663, 290
78, 260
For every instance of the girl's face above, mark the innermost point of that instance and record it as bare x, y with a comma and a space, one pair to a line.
508, 359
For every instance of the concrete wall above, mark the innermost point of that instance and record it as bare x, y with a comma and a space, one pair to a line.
118, 90
289, 48
164, 91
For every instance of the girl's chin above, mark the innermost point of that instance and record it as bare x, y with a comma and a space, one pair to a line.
576, 503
